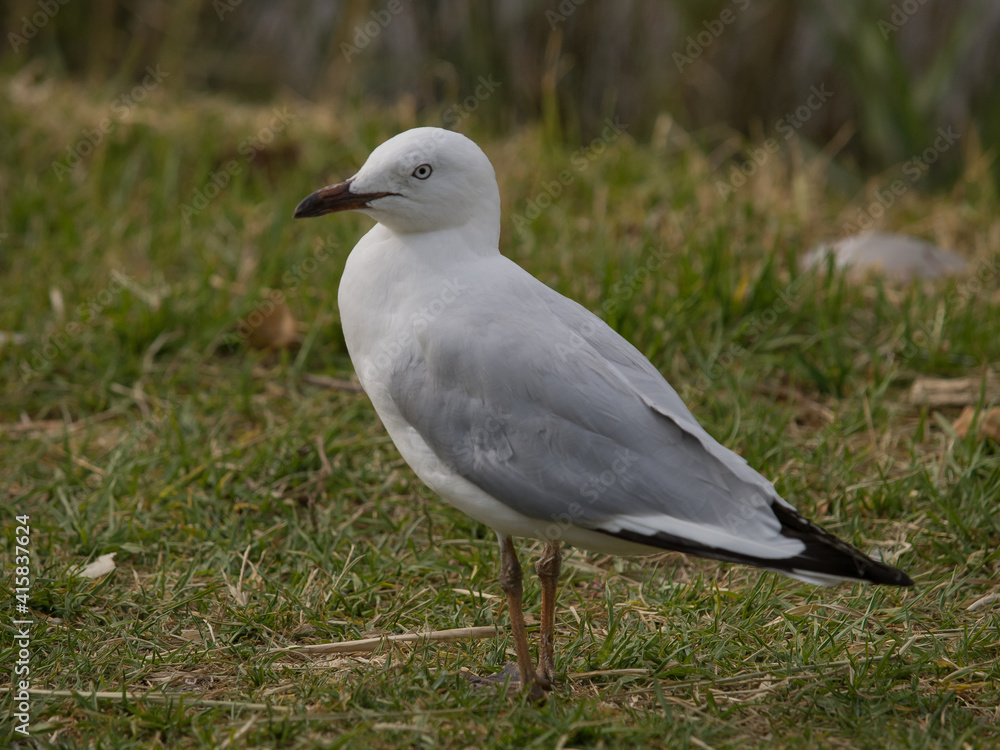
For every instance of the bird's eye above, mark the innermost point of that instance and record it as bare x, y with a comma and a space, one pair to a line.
423, 171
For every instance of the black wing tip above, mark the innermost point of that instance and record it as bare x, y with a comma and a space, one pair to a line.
878, 573
846, 560
886, 575
824, 553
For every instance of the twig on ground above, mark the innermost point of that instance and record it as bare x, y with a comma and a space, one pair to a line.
337, 384
370, 644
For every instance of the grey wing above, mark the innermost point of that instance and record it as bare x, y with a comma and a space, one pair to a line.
547, 409
646, 381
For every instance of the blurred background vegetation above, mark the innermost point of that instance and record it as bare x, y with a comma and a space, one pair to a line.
896, 71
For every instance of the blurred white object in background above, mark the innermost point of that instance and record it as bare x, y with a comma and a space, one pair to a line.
895, 255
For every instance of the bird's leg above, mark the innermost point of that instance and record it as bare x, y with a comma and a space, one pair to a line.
511, 583
547, 568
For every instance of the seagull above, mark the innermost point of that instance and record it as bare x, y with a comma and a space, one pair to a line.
525, 410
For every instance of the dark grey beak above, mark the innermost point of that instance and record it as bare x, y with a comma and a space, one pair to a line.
334, 198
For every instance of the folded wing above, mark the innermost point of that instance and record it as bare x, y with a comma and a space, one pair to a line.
550, 411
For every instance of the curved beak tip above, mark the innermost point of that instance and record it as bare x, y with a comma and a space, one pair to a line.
305, 208
327, 200
333, 198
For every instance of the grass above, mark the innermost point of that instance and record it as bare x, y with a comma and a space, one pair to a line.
251, 509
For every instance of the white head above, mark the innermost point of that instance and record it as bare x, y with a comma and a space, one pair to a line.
423, 180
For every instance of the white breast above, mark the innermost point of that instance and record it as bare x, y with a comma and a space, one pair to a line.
385, 292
